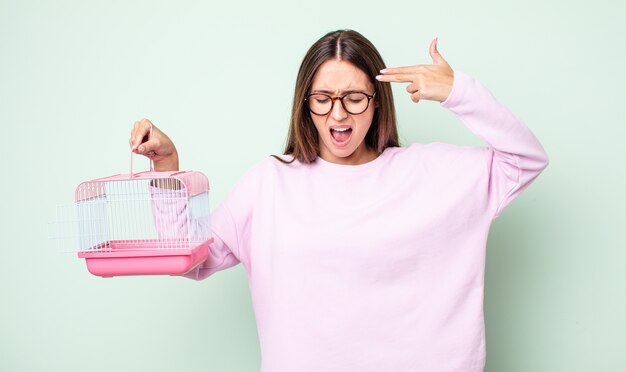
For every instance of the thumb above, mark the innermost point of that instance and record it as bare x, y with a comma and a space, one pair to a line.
148, 146
137, 140
434, 53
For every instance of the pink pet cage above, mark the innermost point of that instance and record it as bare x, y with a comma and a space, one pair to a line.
147, 223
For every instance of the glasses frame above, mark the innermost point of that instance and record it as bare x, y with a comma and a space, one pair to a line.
341, 98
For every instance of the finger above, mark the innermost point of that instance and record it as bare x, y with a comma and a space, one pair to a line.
434, 53
136, 135
396, 78
412, 88
415, 97
400, 70
140, 133
149, 147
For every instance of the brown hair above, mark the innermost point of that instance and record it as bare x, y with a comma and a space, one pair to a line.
349, 46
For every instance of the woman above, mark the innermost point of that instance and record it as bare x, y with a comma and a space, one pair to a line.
362, 255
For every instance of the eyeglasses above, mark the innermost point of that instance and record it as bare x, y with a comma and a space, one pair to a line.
354, 103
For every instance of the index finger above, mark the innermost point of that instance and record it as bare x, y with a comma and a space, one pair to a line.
400, 70
396, 78
140, 133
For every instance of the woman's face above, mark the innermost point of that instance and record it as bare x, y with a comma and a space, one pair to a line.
342, 134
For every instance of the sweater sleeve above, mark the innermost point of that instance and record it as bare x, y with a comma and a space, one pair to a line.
222, 252
514, 155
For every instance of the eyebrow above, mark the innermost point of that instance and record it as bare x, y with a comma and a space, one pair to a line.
325, 91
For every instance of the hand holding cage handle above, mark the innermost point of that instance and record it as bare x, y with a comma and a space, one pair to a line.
146, 139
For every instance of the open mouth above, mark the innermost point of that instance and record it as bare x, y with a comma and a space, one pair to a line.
341, 136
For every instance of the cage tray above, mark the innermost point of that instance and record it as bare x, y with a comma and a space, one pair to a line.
115, 259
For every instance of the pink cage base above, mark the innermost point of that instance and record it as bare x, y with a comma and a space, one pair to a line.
146, 260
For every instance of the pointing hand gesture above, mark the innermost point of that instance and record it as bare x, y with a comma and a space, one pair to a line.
430, 82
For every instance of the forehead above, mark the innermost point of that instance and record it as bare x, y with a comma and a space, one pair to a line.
337, 76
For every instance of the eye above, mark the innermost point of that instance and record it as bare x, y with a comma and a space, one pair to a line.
320, 99
355, 97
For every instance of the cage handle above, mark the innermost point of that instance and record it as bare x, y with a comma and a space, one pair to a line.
149, 155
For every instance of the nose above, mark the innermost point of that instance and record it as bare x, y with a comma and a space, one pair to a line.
337, 112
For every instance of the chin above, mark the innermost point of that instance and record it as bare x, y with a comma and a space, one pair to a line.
345, 156
343, 153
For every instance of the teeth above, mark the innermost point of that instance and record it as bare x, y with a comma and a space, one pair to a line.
340, 129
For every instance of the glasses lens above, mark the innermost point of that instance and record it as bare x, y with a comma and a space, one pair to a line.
355, 103
320, 104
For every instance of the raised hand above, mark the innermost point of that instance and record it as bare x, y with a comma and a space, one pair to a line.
146, 139
429, 82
